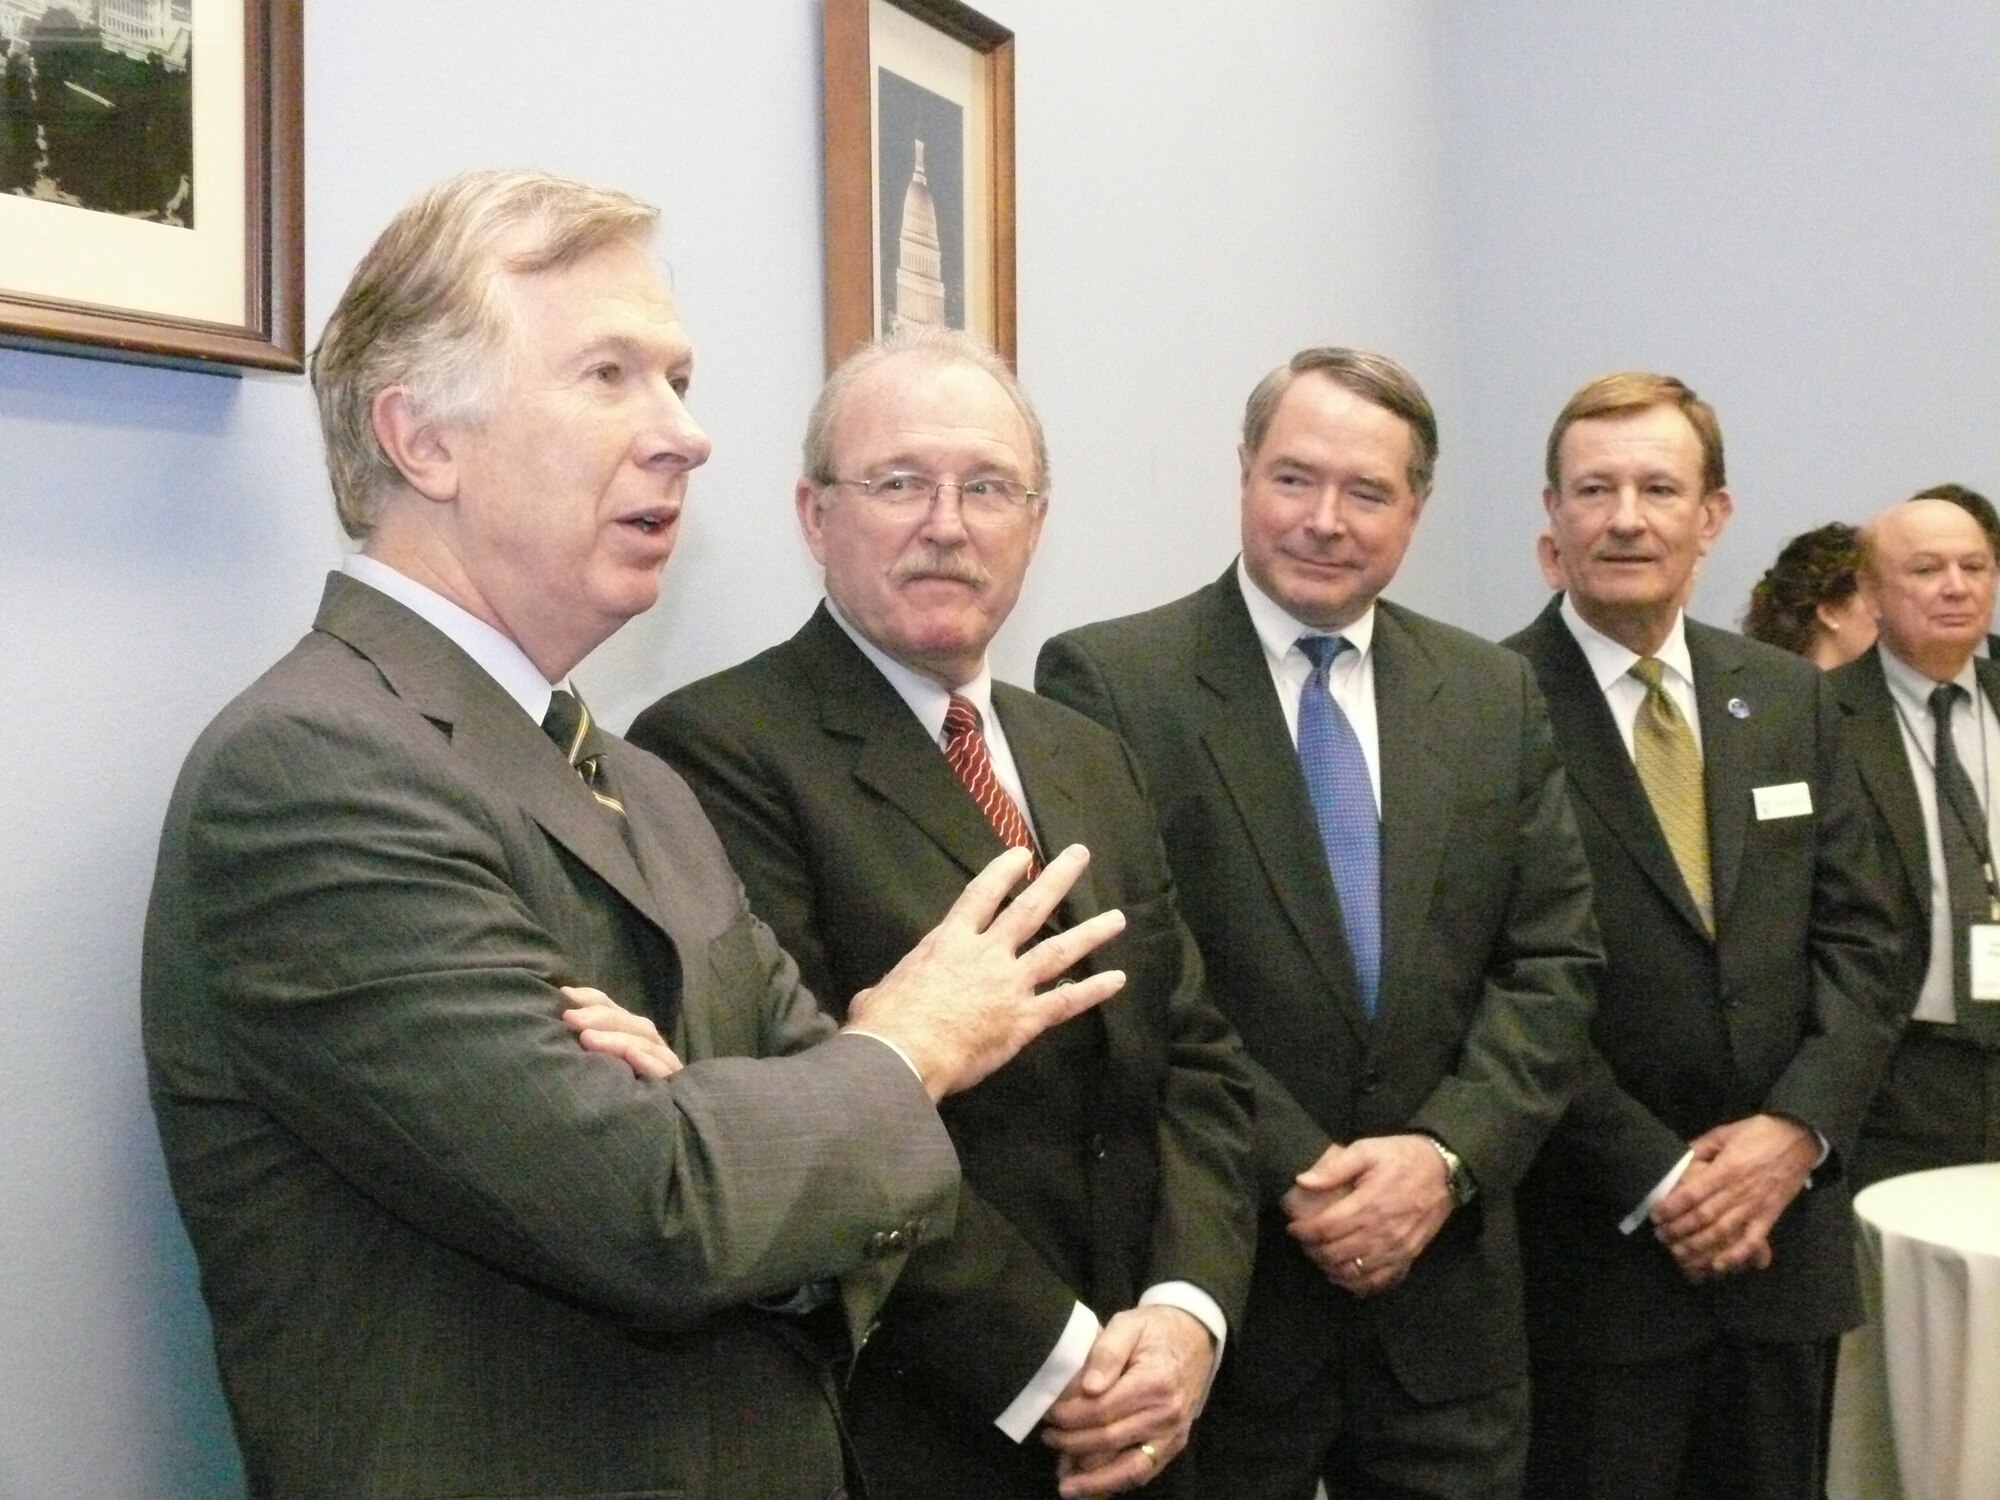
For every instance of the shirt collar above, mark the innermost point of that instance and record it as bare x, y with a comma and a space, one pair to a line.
496, 654
1610, 660
926, 699
1914, 688
1278, 631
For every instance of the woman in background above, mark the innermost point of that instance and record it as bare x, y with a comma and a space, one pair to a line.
1809, 600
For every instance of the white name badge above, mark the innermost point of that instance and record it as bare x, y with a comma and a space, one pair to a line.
1983, 948
1792, 800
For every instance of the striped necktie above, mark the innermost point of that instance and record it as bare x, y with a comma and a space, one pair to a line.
965, 748
1670, 771
1963, 837
570, 725
1343, 799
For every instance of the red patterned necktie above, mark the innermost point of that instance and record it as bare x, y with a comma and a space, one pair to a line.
965, 748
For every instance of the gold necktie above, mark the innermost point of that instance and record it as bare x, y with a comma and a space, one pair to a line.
1670, 771
570, 725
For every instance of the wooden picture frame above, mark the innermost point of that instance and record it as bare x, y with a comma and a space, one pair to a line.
895, 70
224, 289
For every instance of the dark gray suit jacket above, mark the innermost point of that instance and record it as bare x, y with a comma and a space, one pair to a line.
1790, 1010
1113, 1153
1488, 951
1921, 1116
447, 1252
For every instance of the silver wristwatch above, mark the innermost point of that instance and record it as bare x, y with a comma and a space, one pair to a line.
1457, 1181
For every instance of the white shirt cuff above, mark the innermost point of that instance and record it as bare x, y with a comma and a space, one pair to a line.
1053, 1378
1198, 1305
1660, 1190
877, 1036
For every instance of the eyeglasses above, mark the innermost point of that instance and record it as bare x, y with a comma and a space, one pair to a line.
906, 494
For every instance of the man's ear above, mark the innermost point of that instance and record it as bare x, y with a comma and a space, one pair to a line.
418, 449
806, 499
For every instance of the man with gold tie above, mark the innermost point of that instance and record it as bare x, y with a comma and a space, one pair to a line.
1686, 1237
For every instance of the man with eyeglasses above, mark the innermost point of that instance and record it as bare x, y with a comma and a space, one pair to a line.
856, 774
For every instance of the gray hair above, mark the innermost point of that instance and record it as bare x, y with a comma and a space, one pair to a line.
422, 311
1373, 377
940, 346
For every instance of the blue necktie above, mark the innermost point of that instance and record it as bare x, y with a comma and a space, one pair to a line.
1344, 806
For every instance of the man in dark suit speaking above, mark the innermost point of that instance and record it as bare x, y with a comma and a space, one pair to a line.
857, 774
1686, 1232
447, 1250
1367, 824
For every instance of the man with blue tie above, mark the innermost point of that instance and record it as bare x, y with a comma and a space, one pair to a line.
1372, 843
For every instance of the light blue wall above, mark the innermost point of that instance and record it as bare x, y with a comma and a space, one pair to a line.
1474, 187
1794, 205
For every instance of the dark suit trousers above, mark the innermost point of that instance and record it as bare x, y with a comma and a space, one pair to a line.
1729, 1421
1354, 1427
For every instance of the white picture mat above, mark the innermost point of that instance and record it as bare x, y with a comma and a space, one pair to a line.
106, 260
927, 57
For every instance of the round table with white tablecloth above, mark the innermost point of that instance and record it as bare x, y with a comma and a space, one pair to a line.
1936, 1238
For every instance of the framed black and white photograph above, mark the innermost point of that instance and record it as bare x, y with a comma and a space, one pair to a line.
919, 119
150, 180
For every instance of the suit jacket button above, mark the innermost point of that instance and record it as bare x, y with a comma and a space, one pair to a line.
878, 1243
1097, 1145
1371, 1080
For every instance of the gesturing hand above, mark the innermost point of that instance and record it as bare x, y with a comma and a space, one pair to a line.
966, 998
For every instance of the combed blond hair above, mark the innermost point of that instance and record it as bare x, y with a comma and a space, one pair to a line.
421, 310
1627, 393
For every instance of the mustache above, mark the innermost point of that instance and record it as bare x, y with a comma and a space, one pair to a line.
931, 561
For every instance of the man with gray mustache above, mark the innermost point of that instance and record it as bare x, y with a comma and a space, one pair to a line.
854, 772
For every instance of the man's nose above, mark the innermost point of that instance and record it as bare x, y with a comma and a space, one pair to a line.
672, 437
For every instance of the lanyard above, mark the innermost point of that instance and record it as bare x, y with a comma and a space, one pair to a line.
1947, 806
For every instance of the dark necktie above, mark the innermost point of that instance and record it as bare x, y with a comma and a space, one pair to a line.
1962, 834
570, 725
965, 748
1343, 801
1669, 769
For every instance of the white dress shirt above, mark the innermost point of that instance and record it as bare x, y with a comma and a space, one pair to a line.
1976, 736
928, 700
1350, 680
494, 652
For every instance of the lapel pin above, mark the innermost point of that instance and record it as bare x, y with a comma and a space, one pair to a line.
1738, 709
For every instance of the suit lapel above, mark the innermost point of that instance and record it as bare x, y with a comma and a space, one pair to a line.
892, 755
1727, 718
1416, 790
1875, 739
500, 746
1243, 730
1057, 803
1595, 757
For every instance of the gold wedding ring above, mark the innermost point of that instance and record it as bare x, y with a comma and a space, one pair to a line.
1360, 1266
1152, 1454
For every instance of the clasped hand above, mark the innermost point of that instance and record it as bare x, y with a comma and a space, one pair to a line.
1365, 1211
1718, 1218
1129, 1409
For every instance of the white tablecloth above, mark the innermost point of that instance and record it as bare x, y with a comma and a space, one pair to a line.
1936, 1238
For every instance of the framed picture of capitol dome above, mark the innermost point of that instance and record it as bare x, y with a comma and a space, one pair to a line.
919, 120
